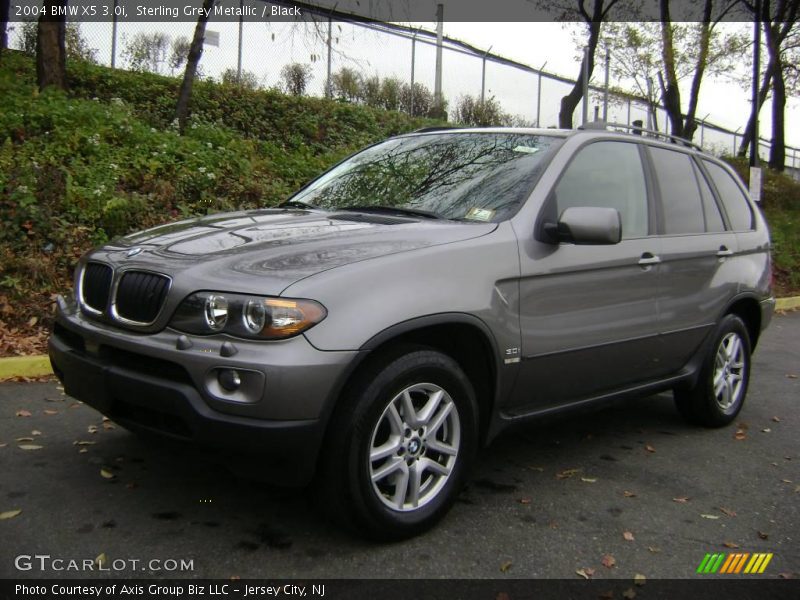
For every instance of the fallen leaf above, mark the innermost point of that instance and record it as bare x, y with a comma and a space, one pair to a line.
83, 443
106, 474
628, 494
786, 480
785, 576
639, 579
742, 425
629, 594
740, 434
586, 572
505, 567
681, 499
653, 549
763, 536
727, 511
628, 536
24, 439
539, 469
3, 445
524, 500
649, 448
776, 419
83, 451
92, 429
32, 321
567, 473
106, 419
608, 561
589, 479
791, 376
36, 432
714, 517
23, 413
50, 412
10, 514
731, 545
766, 430
796, 489
30, 447
108, 426
101, 560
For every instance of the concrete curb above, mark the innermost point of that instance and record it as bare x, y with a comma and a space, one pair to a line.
39, 366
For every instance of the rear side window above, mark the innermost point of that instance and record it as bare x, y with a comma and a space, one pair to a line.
607, 175
733, 199
681, 202
714, 222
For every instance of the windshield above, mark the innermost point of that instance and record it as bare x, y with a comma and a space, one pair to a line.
472, 176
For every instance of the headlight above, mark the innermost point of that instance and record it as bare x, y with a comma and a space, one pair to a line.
255, 317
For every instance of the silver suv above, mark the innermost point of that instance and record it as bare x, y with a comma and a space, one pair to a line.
403, 309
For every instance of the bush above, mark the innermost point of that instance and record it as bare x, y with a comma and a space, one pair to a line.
473, 112
296, 77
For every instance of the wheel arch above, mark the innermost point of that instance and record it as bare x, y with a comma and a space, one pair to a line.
748, 309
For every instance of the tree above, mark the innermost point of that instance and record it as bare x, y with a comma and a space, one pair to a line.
599, 13
417, 101
296, 77
51, 53
474, 112
782, 40
179, 50
5, 11
76, 45
147, 51
195, 53
346, 84
246, 79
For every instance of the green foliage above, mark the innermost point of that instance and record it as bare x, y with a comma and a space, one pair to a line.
149, 52
474, 112
77, 170
346, 85
76, 45
247, 79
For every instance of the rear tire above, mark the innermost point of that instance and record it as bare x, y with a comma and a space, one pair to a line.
400, 445
720, 391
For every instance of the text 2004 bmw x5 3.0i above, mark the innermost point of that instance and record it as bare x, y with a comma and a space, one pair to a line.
397, 313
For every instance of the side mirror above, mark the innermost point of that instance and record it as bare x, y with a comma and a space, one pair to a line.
588, 225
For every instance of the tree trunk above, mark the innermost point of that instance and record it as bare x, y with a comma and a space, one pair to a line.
570, 102
670, 92
51, 55
690, 125
763, 92
777, 150
5, 10
195, 52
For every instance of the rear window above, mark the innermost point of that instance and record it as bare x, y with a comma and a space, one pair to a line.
733, 199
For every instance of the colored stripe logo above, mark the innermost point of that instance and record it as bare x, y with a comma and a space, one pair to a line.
734, 563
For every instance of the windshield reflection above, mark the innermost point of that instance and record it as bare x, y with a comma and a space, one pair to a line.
474, 176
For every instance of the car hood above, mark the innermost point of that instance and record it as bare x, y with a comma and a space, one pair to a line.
264, 251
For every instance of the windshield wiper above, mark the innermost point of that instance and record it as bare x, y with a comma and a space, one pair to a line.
296, 204
413, 212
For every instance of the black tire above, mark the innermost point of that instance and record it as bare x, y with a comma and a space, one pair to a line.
710, 405
364, 422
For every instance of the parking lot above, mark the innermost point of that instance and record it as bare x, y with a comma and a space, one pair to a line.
624, 491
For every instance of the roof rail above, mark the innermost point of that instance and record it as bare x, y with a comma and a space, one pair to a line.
435, 128
640, 130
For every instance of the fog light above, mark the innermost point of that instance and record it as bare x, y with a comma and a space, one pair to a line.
229, 379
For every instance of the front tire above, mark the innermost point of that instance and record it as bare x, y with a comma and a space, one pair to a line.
400, 444
720, 392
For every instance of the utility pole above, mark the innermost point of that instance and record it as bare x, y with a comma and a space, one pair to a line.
328, 88
114, 36
755, 170
437, 85
413, 63
241, 27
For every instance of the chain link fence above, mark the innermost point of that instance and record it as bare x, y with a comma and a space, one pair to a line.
335, 55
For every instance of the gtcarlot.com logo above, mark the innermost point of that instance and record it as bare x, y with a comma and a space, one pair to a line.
734, 563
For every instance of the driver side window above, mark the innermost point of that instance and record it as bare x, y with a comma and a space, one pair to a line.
609, 175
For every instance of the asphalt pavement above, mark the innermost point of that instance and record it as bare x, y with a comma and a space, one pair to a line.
627, 490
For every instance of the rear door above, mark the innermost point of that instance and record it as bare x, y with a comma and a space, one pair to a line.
588, 313
697, 271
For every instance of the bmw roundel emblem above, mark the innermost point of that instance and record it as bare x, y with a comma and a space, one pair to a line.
133, 252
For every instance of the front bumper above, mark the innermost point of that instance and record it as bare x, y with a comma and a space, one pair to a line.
144, 382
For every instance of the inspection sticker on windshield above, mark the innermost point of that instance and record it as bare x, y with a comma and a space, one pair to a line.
479, 214
526, 149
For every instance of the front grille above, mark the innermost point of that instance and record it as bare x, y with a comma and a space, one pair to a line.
140, 296
96, 286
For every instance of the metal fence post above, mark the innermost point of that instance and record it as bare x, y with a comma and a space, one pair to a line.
328, 88
539, 96
585, 76
241, 26
114, 36
605, 91
437, 84
629, 111
413, 63
483, 75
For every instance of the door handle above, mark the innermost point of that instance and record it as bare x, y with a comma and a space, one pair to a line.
649, 259
723, 251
